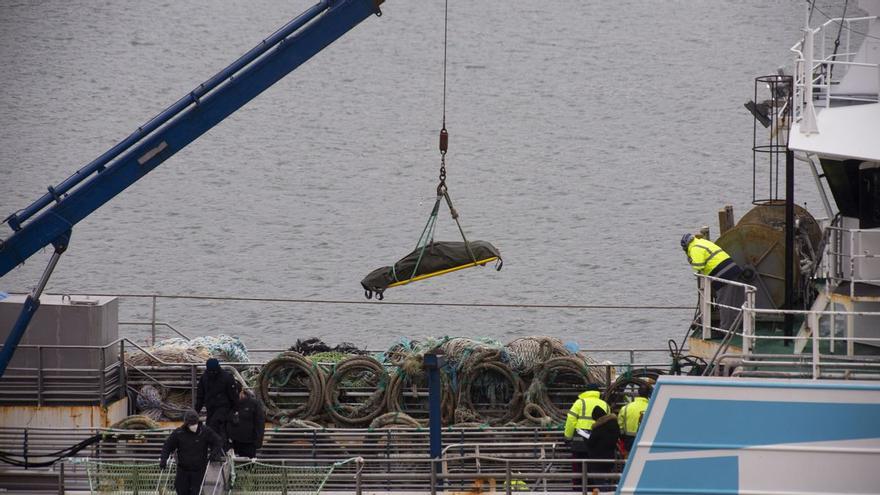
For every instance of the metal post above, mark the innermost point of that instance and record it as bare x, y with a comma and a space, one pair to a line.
706, 307
192, 386
124, 372
40, 375
789, 244
814, 325
507, 479
153, 321
102, 381
25, 448
61, 478
433, 361
433, 462
748, 322
584, 477
852, 263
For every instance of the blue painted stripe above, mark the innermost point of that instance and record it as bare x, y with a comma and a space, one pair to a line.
705, 475
788, 384
702, 424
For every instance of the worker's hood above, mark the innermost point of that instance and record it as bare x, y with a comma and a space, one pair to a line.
588, 394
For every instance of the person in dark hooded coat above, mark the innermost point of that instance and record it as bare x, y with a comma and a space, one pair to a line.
247, 424
194, 444
602, 444
216, 392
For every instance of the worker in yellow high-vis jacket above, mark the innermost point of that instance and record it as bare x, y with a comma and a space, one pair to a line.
629, 418
708, 258
593, 433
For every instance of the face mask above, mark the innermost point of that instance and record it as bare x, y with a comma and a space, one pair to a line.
193, 428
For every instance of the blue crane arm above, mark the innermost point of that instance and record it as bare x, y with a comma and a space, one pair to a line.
50, 219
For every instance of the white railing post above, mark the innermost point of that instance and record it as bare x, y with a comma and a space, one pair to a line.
813, 318
706, 307
808, 114
748, 321
852, 263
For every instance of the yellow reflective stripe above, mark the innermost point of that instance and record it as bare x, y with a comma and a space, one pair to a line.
444, 272
711, 255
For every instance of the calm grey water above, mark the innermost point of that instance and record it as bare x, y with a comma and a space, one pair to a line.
585, 138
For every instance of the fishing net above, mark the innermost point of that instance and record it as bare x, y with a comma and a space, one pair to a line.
129, 478
179, 350
314, 345
263, 478
527, 354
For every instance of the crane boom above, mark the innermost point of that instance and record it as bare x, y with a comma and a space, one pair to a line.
49, 219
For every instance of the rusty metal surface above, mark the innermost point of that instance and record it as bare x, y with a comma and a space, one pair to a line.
772, 214
757, 244
90, 416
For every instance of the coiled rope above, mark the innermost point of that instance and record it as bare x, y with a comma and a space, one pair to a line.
477, 375
540, 406
395, 419
276, 376
356, 372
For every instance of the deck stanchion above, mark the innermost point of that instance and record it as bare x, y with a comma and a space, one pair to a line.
789, 245
40, 375
706, 308
101, 379
192, 386
123, 372
61, 478
433, 361
153, 321
814, 324
583, 477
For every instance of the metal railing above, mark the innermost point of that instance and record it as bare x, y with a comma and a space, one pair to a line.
842, 265
393, 460
820, 363
817, 65
115, 374
707, 306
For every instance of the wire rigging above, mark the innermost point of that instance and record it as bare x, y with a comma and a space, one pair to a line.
837, 41
854, 31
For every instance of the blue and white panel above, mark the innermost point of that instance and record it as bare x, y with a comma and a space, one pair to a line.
757, 436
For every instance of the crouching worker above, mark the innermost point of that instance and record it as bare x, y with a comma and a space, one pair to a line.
195, 443
246, 424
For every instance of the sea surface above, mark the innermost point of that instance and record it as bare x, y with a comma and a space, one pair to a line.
585, 138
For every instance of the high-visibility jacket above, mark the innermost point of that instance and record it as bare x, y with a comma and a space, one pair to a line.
517, 485
630, 416
580, 416
704, 255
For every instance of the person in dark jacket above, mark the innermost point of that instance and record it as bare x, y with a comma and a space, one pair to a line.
216, 392
246, 424
194, 443
602, 444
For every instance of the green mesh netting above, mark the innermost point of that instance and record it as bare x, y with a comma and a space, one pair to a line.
261, 478
130, 478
